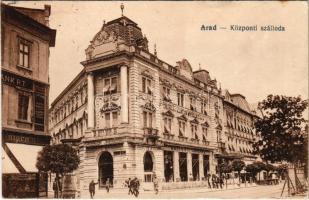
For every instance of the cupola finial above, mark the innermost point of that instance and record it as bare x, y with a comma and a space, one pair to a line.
122, 8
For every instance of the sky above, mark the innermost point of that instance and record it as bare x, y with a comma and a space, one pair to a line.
254, 64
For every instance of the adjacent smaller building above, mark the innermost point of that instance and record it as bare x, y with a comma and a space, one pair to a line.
25, 42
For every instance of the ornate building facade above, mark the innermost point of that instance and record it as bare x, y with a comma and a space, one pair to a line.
26, 39
131, 114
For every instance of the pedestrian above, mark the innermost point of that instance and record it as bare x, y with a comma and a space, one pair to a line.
213, 180
129, 184
221, 182
208, 180
107, 185
55, 188
155, 183
92, 189
135, 185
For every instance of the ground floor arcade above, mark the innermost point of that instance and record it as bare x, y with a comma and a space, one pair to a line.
117, 163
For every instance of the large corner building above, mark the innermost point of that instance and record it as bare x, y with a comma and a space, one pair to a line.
131, 114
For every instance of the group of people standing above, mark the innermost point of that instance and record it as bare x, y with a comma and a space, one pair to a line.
215, 181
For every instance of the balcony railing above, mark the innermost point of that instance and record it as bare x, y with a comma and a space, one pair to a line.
221, 145
151, 132
205, 142
104, 132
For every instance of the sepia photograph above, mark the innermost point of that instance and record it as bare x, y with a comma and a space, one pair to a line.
154, 99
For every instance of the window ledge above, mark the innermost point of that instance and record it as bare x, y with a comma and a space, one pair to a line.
23, 121
24, 68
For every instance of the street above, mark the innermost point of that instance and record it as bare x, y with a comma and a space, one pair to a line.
269, 191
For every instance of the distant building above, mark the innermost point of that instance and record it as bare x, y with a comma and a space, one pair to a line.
26, 39
239, 133
131, 114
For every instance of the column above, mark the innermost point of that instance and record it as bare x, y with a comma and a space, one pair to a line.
124, 94
90, 103
201, 166
189, 166
176, 166
212, 163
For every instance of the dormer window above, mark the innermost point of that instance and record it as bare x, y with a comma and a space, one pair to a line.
146, 85
110, 85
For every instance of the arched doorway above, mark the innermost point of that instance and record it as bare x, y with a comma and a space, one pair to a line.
148, 167
106, 169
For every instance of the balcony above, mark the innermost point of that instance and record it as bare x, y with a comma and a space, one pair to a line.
205, 142
168, 136
194, 140
151, 133
221, 145
104, 132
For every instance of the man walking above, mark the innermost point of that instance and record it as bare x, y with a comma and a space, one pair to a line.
92, 189
55, 188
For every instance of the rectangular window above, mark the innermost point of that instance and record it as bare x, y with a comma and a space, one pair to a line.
146, 85
204, 130
107, 120
23, 106
147, 119
24, 53
115, 119
194, 131
204, 107
192, 103
180, 98
166, 94
110, 85
181, 128
167, 124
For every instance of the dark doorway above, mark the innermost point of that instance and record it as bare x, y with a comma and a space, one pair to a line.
168, 166
106, 169
195, 167
148, 167
183, 171
206, 165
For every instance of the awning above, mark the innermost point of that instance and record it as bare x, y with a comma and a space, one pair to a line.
26, 155
7, 164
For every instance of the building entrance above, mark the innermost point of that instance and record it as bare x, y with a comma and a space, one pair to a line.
168, 166
183, 170
148, 167
106, 169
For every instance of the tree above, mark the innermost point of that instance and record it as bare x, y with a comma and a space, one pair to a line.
59, 159
238, 165
280, 128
